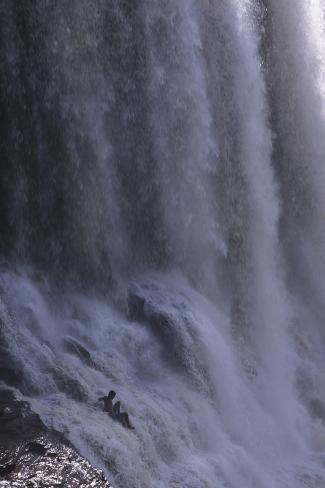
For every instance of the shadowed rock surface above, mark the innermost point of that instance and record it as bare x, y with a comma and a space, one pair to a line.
74, 347
32, 456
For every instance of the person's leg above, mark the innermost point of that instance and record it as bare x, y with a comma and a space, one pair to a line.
117, 408
125, 420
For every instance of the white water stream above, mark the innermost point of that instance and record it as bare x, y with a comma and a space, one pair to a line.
194, 166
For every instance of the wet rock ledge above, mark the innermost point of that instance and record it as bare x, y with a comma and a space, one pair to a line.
32, 456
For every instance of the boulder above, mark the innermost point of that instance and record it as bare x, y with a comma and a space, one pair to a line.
170, 317
74, 347
31, 455
143, 310
173, 333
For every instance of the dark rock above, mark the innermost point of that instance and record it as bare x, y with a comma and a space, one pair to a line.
33, 456
177, 347
74, 347
10, 372
6, 396
36, 448
142, 310
16, 419
6, 469
172, 321
10, 376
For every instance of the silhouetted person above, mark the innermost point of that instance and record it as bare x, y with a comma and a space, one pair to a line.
114, 411
108, 402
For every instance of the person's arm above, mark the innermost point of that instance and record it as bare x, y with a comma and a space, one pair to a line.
101, 398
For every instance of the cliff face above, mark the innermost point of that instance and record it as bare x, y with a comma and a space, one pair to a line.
33, 456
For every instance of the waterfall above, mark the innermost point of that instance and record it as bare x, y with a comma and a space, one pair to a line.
162, 209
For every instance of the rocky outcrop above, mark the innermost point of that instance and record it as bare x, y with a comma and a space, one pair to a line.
32, 456
77, 349
10, 376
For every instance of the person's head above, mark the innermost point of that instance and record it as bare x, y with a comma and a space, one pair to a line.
111, 395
